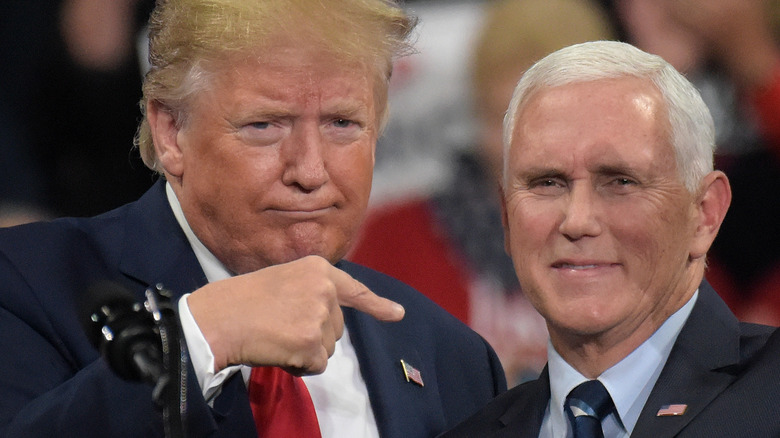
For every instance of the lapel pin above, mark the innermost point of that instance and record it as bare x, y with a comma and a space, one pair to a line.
671, 410
411, 373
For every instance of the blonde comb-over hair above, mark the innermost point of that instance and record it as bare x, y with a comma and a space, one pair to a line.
188, 39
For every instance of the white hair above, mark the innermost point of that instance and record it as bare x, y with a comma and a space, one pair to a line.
692, 130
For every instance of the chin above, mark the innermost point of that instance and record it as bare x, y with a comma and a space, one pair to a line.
331, 253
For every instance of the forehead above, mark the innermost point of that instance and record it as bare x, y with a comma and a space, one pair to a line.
619, 118
291, 67
285, 75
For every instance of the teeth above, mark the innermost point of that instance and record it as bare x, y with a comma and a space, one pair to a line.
567, 266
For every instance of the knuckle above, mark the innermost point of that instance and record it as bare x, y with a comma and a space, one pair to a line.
310, 336
316, 263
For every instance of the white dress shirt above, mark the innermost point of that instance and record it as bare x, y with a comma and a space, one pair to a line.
339, 394
629, 382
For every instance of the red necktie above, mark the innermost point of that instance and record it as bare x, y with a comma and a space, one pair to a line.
281, 405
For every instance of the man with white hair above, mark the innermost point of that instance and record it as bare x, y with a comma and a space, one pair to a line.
610, 205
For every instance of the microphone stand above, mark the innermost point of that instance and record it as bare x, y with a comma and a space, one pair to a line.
170, 391
144, 343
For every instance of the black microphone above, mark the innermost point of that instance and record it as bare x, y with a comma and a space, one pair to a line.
141, 342
123, 331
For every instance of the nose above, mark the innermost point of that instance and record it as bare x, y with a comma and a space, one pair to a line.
580, 214
304, 159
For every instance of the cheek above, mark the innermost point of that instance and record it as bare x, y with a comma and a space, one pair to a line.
238, 181
352, 171
532, 225
653, 236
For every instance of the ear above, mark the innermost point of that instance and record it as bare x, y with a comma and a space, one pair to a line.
712, 204
504, 220
165, 137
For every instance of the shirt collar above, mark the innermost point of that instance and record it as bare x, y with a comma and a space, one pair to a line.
212, 267
640, 369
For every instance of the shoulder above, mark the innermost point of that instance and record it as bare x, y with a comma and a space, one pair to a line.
521, 409
51, 263
78, 239
748, 406
759, 344
754, 337
61, 241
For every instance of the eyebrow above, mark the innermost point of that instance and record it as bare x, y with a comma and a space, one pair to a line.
535, 173
347, 108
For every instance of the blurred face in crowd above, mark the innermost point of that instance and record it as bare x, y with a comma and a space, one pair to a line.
493, 101
275, 160
598, 222
652, 27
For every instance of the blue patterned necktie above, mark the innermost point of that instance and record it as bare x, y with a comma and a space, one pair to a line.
586, 406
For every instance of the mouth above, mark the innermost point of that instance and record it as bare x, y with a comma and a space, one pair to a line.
575, 267
303, 213
582, 266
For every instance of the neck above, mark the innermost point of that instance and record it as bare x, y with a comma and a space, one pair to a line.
593, 353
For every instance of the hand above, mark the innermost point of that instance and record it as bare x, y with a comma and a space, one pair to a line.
286, 315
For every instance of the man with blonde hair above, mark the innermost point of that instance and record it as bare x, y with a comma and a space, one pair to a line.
262, 117
611, 203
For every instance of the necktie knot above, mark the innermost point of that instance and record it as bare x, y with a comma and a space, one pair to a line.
586, 406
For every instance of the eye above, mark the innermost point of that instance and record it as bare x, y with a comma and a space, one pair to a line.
546, 182
547, 186
624, 182
262, 133
343, 123
260, 125
341, 130
621, 185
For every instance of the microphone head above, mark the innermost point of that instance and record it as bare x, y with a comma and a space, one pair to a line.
102, 302
120, 328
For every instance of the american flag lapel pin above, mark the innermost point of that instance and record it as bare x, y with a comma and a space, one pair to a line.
411, 373
672, 410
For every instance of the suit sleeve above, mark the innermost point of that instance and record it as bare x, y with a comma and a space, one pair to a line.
53, 383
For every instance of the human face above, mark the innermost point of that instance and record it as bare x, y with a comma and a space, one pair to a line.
652, 26
276, 158
598, 222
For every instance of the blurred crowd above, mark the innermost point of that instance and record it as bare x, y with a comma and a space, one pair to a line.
71, 81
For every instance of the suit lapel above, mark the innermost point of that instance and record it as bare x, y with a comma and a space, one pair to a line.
697, 369
402, 408
524, 416
155, 249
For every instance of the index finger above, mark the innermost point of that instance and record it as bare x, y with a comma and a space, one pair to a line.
352, 293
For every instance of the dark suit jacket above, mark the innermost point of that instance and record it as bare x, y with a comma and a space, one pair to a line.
53, 384
727, 372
